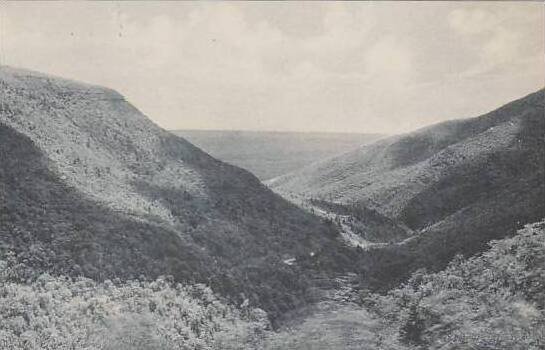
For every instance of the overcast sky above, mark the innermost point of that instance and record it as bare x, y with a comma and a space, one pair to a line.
303, 66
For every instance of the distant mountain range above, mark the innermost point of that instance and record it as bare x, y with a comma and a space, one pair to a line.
90, 186
269, 154
457, 184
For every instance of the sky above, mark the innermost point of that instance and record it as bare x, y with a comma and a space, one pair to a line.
386, 67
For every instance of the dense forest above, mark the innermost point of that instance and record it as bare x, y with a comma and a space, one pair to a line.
494, 300
491, 301
116, 234
41, 311
90, 186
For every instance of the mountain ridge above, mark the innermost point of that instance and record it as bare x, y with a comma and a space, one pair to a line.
457, 184
433, 144
113, 195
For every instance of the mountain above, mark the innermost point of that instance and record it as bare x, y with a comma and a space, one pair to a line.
457, 184
271, 154
90, 187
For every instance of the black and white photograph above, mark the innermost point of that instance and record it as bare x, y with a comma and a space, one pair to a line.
272, 175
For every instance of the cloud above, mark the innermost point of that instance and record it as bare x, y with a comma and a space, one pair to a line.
388, 61
471, 21
377, 67
500, 35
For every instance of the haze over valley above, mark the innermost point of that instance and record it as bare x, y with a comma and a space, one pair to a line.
271, 154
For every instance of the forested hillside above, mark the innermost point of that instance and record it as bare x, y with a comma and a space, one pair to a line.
90, 187
492, 301
98, 205
59, 312
391, 172
456, 185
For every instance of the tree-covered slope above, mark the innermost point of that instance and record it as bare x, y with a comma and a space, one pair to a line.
389, 173
89, 186
457, 185
59, 312
492, 301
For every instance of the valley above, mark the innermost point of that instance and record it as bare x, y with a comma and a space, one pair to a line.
112, 195
272, 175
269, 154
454, 185
115, 233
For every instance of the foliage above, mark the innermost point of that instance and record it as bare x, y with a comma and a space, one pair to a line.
365, 221
90, 186
492, 301
495, 301
64, 313
457, 185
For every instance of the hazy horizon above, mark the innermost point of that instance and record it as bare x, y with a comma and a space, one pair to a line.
280, 131
358, 67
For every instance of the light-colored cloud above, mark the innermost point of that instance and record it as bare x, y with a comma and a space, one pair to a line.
369, 67
501, 35
389, 62
471, 21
